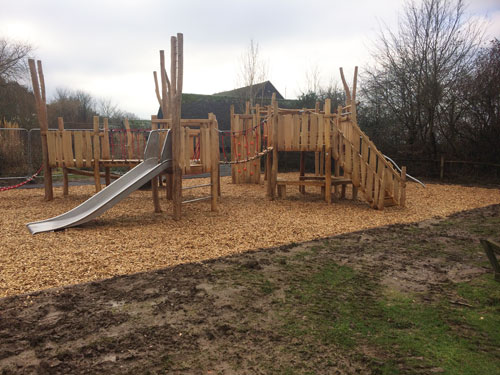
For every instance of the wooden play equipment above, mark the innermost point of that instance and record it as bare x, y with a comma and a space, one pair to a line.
195, 141
332, 136
94, 152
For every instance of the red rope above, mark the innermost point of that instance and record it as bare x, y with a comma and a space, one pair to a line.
22, 183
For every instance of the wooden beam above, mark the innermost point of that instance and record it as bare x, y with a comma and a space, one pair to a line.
97, 152
214, 172
274, 172
41, 108
402, 199
491, 248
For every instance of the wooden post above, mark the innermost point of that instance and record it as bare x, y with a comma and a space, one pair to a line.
490, 248
340, 144
97, 155
60, 127
107, 155
328, 161
267, 171
214, 173
41, 109
402, 200
176, 78
354, 116
234, 170
302, 170
274, 168
155, 181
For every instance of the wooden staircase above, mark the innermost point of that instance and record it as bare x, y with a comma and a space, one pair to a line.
378, 181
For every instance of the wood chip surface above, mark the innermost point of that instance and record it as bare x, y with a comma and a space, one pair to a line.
131, 238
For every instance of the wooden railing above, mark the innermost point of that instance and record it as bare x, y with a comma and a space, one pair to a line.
313, 130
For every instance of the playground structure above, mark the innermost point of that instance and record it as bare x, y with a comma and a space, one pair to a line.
195, 146
332, 136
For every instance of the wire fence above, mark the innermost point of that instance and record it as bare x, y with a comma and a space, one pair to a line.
20, 152
21, 156
452, 170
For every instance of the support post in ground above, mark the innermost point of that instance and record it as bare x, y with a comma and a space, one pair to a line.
491, 248
176, 78
328, 152
41, 109
60, 128
214, 173
97, 155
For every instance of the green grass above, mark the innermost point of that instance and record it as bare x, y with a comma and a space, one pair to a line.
337, 305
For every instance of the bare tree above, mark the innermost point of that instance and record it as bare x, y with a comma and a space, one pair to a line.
419, 67
253, 70
13, 60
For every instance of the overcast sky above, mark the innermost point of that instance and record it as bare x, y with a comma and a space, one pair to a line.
110, 48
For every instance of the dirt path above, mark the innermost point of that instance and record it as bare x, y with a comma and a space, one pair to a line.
317, 307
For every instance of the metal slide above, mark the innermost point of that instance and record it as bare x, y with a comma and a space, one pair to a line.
115, 192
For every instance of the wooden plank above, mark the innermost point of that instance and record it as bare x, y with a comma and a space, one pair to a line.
130, 150
88, 150
252, 142
335, 144
274, 174
369, 183
490, 249
304, 132
381, 197
355, 167
51, 148
59, 149
313, 133
182, 159
281, 132
296, 133
321, 133
348, 156
97, 155
237, 144
341, 150
328, 163
288, 125
214, 168
78, 139
68, 149
377, 183
247, 123
402, 199
106, 152
395, 190
362, 176
232, 144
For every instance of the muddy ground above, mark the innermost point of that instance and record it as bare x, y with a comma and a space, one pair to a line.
297, 309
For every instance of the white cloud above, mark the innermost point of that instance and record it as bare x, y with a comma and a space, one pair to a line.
110, 48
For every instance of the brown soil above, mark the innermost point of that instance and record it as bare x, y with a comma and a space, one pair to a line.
131, 238
206, 318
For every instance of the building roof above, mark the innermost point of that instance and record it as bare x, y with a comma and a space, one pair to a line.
261, 90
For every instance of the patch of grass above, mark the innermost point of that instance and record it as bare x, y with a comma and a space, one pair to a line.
487, 228
483, 294
337, 305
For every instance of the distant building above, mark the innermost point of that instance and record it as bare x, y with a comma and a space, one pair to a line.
263, 90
